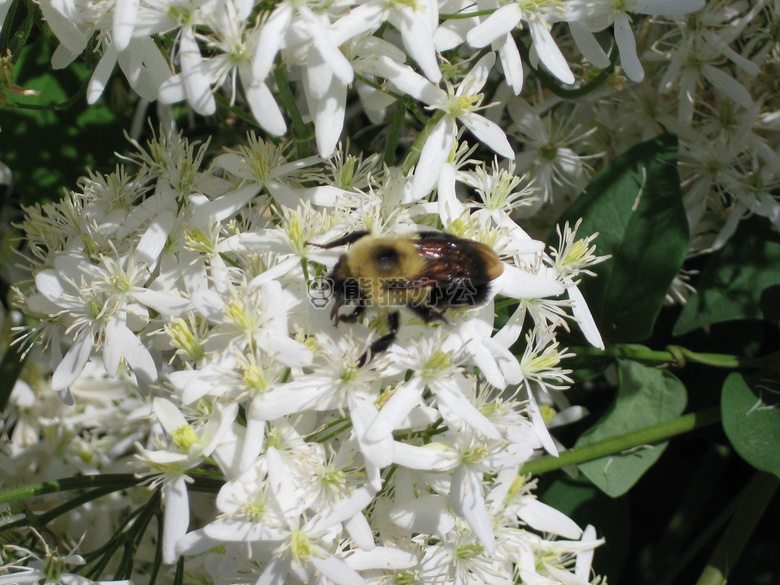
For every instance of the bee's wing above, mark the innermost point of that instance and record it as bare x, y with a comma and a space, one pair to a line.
449, 260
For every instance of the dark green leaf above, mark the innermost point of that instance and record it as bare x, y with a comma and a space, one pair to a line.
49, 149
646, 396
735, 278
635, 204
751, 419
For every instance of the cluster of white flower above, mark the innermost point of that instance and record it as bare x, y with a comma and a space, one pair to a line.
705, 72
184, 295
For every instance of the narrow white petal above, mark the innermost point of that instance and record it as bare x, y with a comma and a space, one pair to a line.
585, 318
545, 518
427, 514
434, 154
501, 22
405, 79
329, 117
489, 133
382, 557
624, 37
360, 19
728, 85
153, 241
196, 84
588, 45
468, 501
176, 518
71, 366
270, 40
418, 40
432, 457
101, 74
330, 52
512, 63
337, 571
519, 284
265, 109
172, 90
125, 12
548, 50
396, 409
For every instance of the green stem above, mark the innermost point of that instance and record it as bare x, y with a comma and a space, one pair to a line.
109, 481
407, 101
414, 152
395, 132
614, 445
677, 355
751, 504
461, 15
302, 133
235, 110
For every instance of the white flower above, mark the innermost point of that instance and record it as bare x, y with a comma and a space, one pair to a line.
535, 16
458, 104
599, 14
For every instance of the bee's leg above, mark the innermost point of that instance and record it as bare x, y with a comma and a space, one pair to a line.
353, 316
381, 344
428, 314
343, 241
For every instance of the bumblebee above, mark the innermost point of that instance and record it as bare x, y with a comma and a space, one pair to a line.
426, 272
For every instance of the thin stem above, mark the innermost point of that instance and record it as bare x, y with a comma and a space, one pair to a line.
678, 356
395, 132
115, 481
613, 445
414, 152
235, 110
302, 133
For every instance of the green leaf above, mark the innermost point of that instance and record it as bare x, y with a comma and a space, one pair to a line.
646, 396
734, 282
751, 419
635, 204
49, 148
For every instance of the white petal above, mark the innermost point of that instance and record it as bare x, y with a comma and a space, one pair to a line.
588, 45
101, 74
265, 109
125, 12
545, 518
548, 50
330, 52
501, 22
418, 40
427, 514
396, 409
728, 85
468, 501
337, 570
71, 366
624, 37
584, 318
434, 154
519, 284
489, 133
176, 518
381, 557
196, 84
511, 63
270, 40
